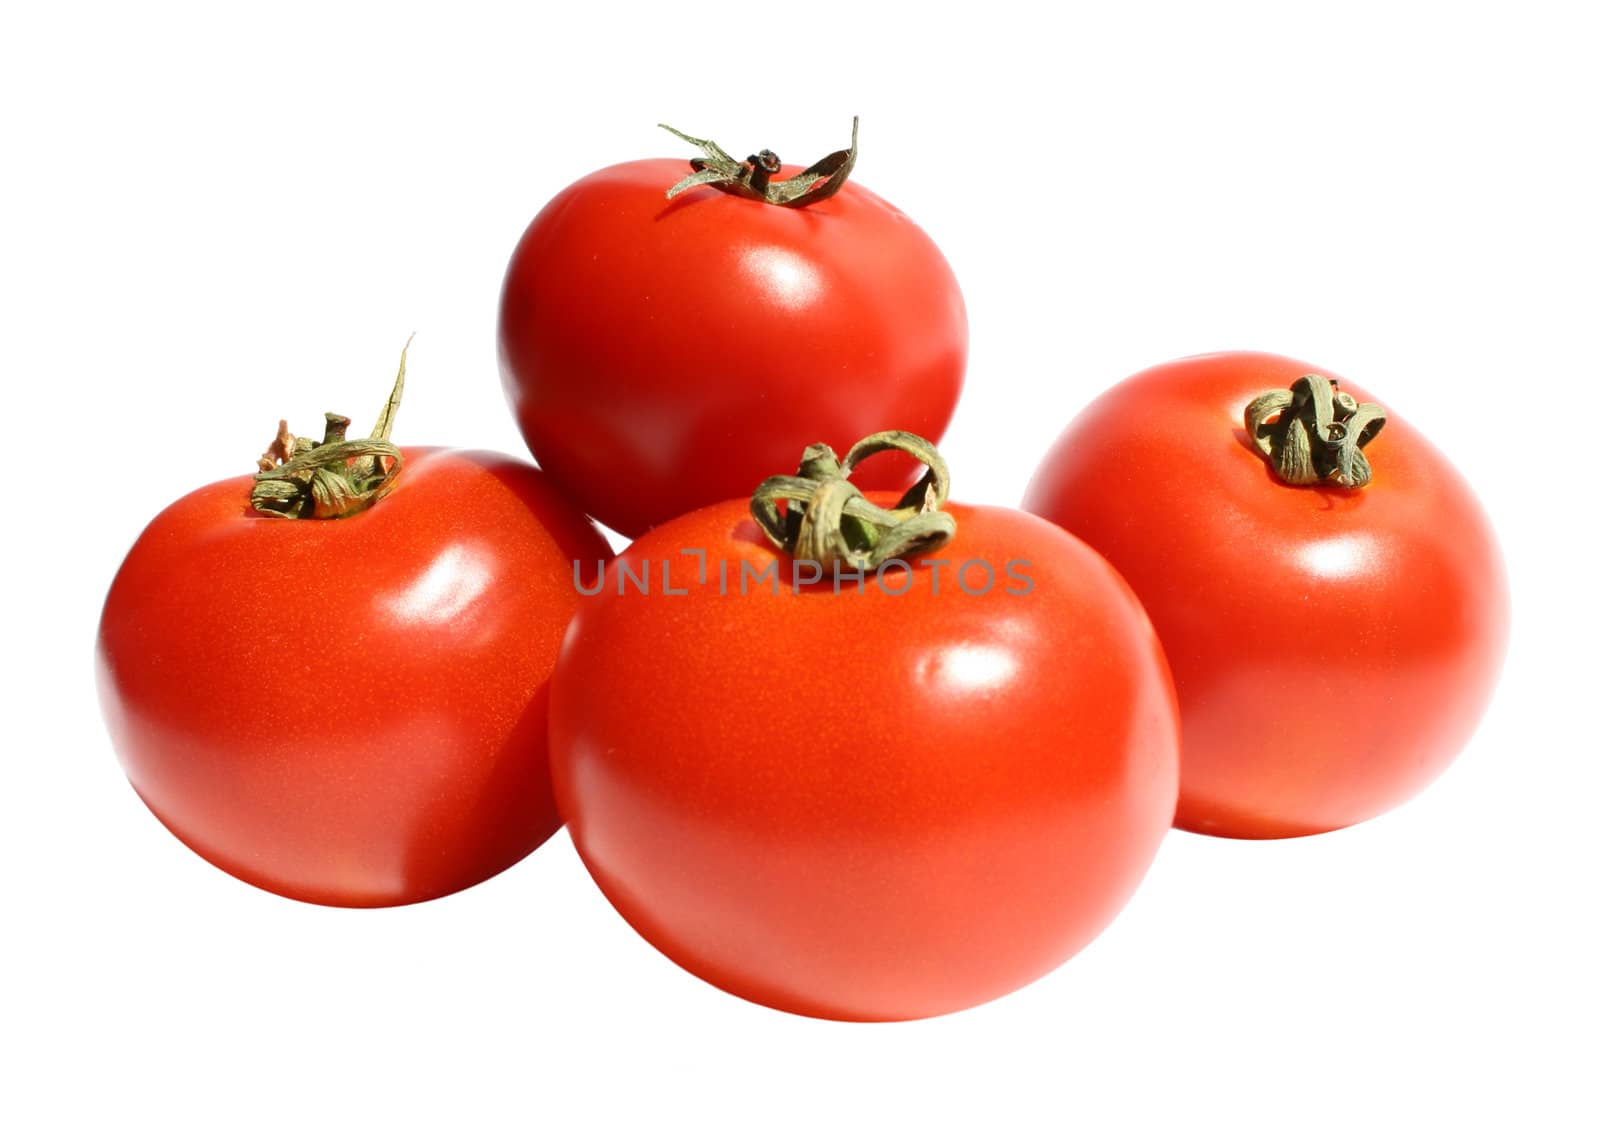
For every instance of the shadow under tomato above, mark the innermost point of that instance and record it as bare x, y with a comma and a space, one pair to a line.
506, 815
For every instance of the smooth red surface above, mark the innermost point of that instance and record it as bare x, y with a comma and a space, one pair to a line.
351, 712
1332, 649
663, 356
865, 807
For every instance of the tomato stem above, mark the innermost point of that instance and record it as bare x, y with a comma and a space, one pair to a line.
1313, 434
333, 431
826, 519
321, 480
752, 178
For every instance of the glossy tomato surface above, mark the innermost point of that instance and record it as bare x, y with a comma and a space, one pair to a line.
664, 355
351, 712
872, 805
1333, 649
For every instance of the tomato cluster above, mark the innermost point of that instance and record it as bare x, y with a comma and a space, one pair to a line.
840, 752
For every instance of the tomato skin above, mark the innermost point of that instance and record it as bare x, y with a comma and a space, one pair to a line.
350, 712
1332, 649
865, 807
662, 356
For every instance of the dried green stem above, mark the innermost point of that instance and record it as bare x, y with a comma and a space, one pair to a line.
827, 520
321, 480
753, 178
1311, 433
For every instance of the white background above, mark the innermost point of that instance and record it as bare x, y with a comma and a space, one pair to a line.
213, 217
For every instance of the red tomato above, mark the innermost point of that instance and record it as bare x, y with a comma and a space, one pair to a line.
351, 711
1332, 647
663, 356
864, 805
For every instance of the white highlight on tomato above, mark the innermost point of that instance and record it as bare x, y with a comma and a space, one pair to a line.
444, 590
1336, 557
967, 668
787, 279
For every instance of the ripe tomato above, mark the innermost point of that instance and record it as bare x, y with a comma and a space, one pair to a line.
1332, 647
353, 711
664, 355
870, 804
